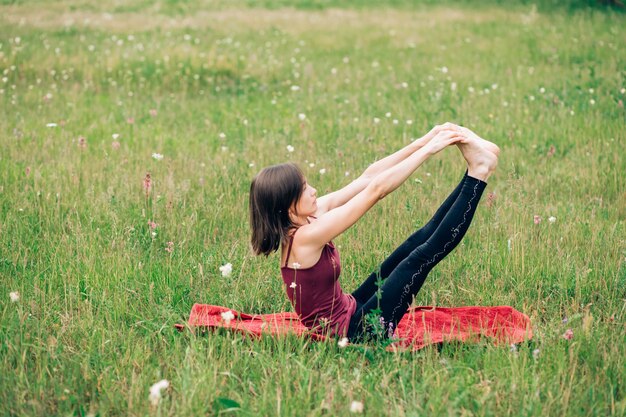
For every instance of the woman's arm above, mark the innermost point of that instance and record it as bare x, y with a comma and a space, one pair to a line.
390, 179
399, 156
338, 220
343, 195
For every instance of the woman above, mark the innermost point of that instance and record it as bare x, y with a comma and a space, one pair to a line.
285, 213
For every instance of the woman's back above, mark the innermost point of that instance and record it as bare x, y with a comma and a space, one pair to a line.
315, 292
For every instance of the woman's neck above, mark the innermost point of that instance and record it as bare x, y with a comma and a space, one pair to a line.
299, 221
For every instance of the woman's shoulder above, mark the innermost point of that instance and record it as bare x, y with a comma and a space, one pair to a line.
299, 245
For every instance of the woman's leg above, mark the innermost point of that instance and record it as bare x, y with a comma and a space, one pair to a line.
368, 287
405, 281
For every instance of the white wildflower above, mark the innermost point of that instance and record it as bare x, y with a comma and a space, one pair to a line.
444, 70
15, 296
293, 285
227, 316
115, 136
157, 156
226, 269
51, 125
295, 265
323, 171
301, 116
376, 120
343, 342
222, 135
155, 391
551, 219
536, 353
290, 148
356, 407
295, 88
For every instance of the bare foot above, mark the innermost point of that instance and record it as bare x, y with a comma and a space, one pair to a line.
490, 146
481, 162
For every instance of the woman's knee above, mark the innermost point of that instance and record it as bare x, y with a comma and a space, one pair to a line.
423, 253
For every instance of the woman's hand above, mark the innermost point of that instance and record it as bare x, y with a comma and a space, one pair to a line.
442, 139
434, 131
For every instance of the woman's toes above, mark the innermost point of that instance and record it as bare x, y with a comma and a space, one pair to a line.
495, 149
490, 146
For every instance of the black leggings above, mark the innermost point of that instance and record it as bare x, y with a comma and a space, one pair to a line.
405, 270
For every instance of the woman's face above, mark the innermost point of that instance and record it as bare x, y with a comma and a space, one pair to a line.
307, 204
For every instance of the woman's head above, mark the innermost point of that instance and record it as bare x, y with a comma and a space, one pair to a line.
274, 192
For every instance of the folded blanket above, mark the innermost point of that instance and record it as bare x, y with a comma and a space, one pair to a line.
419, 327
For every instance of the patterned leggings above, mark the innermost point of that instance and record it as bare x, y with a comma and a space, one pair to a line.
405, 270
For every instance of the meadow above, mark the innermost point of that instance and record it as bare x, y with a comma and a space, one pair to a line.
131, 130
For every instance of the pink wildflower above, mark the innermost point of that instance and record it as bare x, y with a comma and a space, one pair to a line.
552, 150
491, 199
569, 334
147, 183
82, 142
152, 224
115, 144
170, 247
537, 219
130, 120
153, 112
27, 171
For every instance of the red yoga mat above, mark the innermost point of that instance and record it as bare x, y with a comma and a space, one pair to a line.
419, 327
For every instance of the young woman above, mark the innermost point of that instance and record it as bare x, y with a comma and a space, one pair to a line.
286, 214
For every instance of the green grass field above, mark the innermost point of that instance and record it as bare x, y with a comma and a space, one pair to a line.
90, 90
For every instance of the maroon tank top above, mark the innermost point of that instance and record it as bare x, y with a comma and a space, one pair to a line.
316, 295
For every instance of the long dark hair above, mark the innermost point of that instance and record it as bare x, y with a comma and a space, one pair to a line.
272, 192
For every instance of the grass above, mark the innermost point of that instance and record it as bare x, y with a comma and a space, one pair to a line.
211, 88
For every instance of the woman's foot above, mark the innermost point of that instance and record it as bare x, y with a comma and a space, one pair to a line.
490, 146
481, 161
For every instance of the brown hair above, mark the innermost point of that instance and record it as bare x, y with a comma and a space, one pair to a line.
272, 192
